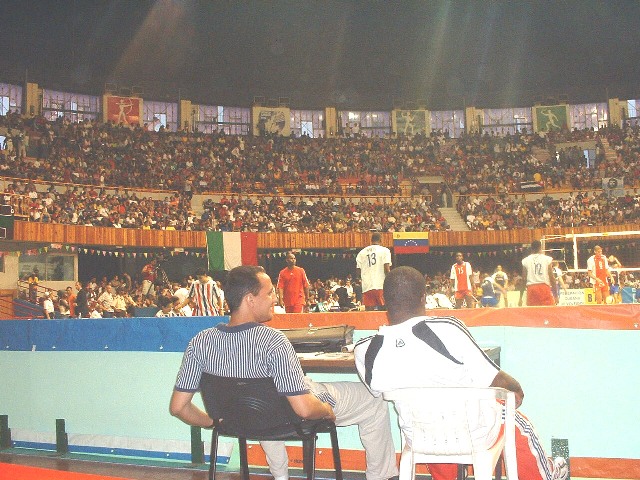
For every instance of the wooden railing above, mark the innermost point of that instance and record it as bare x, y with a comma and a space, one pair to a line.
44, 233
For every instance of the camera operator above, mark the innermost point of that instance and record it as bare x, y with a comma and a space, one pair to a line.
149, 276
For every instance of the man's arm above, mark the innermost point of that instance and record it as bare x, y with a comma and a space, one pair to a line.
183, 408
498, 286
309, 407
506, 381
186, 301
387, 268
561, 281
552, 277
281, 296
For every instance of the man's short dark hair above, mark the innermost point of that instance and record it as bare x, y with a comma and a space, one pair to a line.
376, 237
201, 271
240, 282
536, 246
404, 289
164, 302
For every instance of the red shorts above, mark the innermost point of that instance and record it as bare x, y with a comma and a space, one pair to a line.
462, 294
539, 294
372, 298
528, 454
293, 308
604, 289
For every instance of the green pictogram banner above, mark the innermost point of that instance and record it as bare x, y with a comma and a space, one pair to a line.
551, 117
411, 122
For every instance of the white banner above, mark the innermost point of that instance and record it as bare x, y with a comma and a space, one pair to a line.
613, 186
574, 296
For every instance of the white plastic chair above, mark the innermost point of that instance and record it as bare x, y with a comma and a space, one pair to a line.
456, 425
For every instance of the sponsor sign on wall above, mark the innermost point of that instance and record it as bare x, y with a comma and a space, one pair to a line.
574, 296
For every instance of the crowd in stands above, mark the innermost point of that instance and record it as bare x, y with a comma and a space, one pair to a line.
120, 296
102, 154
504, 212
91, 206
91, 156
324, 215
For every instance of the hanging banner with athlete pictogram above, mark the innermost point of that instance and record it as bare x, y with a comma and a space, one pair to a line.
408, 123
547, 118
123, 110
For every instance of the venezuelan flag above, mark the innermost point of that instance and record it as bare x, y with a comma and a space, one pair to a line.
410, 242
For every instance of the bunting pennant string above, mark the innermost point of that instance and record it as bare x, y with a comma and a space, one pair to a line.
584, 248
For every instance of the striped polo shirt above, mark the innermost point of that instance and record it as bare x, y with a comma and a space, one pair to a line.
205, 297
250, 350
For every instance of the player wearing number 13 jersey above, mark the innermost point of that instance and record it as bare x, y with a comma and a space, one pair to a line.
538, 272
373, 263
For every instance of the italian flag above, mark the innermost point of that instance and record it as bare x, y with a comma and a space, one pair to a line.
227, 250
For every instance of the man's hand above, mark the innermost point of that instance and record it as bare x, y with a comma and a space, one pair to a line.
331, 416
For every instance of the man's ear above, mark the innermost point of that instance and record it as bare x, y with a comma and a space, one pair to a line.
249, 298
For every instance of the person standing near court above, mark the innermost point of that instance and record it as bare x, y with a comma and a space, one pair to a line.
461, 273
204, 295
501, 278
373, 263
538, 273
558, 274
149, 276
599, 274
82, 300
293, 286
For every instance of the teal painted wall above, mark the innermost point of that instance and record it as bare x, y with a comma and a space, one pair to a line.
579, 384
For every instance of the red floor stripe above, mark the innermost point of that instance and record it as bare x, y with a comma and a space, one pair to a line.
10, 471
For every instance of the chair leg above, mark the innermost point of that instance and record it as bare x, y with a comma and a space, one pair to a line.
305, 457
335, 448
483, 467
499, 467
213, 455
407, 468
244, 462
309, 460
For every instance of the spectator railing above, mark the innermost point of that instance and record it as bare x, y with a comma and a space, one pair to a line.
138, 238
32, 292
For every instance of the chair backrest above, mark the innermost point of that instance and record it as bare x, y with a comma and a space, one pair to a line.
452, 421
248, 407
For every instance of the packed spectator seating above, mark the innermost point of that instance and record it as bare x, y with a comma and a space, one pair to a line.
324, 215
504, 212
89, 157
79, 206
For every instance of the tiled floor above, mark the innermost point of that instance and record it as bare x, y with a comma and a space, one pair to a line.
139, 472
135, 472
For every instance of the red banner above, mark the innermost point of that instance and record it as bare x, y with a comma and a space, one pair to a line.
124, 110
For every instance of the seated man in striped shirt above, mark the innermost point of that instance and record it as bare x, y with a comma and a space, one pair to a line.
266, 352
